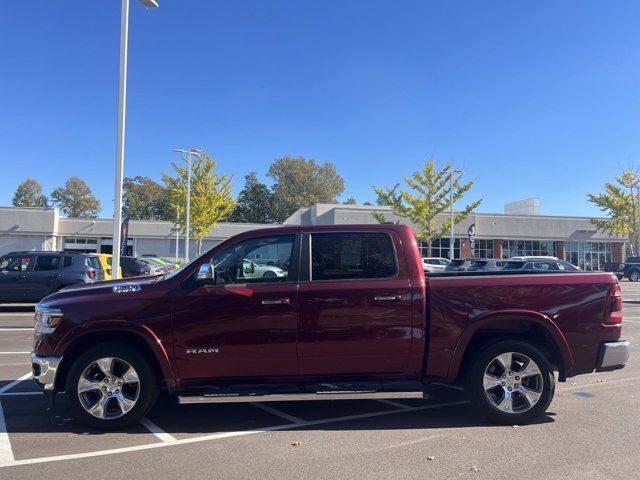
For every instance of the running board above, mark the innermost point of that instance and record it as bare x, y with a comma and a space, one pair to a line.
294, 397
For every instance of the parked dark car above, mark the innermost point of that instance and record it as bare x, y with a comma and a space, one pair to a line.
27, 277
353, 306
630, 269
134, 267
459, 265
486, 265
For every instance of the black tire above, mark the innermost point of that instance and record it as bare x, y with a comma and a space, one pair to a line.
634, 276
269, 275
147, 389
543, 384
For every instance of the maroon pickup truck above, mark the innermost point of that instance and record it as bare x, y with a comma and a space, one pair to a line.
339, 312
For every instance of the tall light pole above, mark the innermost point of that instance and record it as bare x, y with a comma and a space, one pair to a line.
189, 153
452, 239
122, 107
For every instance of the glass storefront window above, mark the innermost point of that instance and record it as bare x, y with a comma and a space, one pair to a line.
589, 255
484, 249
440, 248
519, 248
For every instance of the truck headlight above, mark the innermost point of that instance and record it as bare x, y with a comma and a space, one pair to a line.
47, 319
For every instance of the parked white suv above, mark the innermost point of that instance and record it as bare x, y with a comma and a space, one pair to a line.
434, 264
254, 270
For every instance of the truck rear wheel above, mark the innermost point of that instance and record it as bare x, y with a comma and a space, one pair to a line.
111, 386
634, 276
511, 382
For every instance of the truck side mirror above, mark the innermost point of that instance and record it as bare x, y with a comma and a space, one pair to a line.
206, 274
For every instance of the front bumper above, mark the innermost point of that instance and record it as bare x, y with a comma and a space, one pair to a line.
44, 371
613, 355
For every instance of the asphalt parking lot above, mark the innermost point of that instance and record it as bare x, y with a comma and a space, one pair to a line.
592, 431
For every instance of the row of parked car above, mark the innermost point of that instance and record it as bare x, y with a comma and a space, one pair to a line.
30, 276
539, 264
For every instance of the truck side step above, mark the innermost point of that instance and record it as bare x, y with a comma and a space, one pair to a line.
297, 396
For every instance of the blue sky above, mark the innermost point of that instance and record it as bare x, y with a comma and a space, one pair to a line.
529, 98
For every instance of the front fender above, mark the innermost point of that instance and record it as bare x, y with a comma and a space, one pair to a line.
142, 331
485, 321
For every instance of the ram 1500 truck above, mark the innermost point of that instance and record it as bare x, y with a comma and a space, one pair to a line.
353, 316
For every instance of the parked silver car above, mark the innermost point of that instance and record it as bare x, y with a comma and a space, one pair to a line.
434, 264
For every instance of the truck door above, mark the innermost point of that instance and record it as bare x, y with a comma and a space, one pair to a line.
355, 308
243, 325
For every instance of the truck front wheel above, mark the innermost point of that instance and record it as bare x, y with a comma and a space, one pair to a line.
511, 382
111, 386
634, 276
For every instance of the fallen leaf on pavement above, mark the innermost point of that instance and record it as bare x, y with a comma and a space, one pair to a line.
475, 468
296, 444
431, 457
515, 427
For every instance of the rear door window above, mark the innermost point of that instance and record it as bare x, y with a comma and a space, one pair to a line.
46, 263
352, 256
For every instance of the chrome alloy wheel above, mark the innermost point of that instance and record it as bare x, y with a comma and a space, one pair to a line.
109, 388
513, 382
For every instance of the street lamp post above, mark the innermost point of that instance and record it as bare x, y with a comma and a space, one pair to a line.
122, 106
189, 152
452, 239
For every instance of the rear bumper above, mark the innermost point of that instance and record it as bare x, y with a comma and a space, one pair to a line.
613, 355
44, 371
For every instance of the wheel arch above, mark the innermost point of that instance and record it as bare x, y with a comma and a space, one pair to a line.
531, 327
158, 356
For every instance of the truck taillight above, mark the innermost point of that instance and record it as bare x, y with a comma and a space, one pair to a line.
92, 274
614, 314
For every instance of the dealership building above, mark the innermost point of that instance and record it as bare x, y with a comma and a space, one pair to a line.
521, 230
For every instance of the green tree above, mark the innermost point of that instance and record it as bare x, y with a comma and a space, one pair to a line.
29, 194
211, 198
254, 202
145, 199
301, 183
75, 199
428, 195
350, 201
619, 203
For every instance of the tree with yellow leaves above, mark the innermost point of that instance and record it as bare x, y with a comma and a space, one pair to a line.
211, 198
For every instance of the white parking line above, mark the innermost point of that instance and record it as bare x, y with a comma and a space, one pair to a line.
10, 385
626, 320
157, 431
6, 453
17, 329
16, 314
218, 436
13, 353
277, 412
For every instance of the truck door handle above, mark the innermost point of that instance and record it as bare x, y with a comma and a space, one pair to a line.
55, 275
388, 298
277, 301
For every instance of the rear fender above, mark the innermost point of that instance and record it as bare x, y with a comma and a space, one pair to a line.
493, 318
